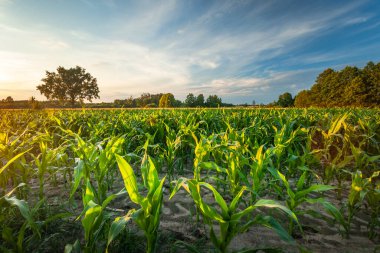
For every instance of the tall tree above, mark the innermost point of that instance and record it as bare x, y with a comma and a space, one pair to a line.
69, 85
213, 101
9, 99
371, 76
350, 86
190, 101
200, 101
285, 100
303, 99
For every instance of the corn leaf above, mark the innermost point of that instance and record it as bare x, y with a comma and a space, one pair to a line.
129, 179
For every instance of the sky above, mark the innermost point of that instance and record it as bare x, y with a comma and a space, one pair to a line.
239, 50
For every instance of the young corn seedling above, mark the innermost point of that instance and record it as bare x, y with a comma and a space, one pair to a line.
7, 200
31, 228
373, 200
258, 168
284, 140
17, 239
173, 143
203, 148
45, 162
233, 174
10, 147
95, 218
363, 161
96, 163
147, 217
299, 195
230, 218
95, 222
361, 189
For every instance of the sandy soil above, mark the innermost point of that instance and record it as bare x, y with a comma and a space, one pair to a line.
178, 222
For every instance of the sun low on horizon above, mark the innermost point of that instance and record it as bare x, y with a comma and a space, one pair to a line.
240, 50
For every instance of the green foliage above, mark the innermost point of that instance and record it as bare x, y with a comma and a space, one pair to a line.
71, 85
303, 99
148, 216
213, 101
191, 100
200, 100
300, 195
241, 161
350, 86
285, 100
229, 217
194, 101
8, 99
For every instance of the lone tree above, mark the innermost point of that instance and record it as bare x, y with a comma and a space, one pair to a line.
69, 85
285, 100
9, 99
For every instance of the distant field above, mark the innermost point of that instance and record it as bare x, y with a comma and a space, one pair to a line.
213, 180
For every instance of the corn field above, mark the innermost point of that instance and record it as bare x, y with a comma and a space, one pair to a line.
199, 180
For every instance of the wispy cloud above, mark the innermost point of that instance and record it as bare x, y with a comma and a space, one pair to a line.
357, 20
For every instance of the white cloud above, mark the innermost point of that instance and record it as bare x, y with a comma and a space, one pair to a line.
232, 86
204, 63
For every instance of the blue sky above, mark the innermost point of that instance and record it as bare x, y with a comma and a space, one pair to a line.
239, 50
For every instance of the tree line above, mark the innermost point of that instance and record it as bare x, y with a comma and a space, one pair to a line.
166, 100
68, 88
350, 86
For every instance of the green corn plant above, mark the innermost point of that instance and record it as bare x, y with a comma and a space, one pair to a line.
258, 169
233, 174
7, 200
30, 229
331, 138
302, 155
284, 140
95, 162
298, 195
361, 189
28, 214
95, 218
7, 165
10, 147
234, 154
369, 127
45, 162
189, 127
230, 218
202, 151
173, 143
363, 161
147, 217
373, 200
236, 140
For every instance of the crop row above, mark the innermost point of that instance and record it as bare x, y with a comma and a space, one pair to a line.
281, 162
